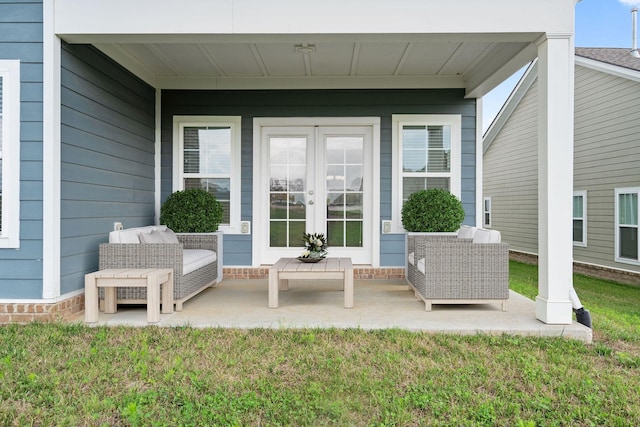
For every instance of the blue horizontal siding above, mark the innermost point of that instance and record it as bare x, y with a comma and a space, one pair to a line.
393, 247
107, 157
21, 39
321, 103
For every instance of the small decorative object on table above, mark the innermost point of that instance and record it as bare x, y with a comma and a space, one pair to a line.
315, 247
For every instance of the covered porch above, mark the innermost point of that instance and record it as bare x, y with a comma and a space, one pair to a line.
254, 62
378, 304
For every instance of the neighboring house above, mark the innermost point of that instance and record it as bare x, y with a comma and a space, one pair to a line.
109, 106
606, 164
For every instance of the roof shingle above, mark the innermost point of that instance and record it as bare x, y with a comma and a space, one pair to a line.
620, 57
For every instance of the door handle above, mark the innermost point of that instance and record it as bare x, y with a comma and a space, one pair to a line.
310, 202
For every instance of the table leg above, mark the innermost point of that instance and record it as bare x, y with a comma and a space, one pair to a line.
153, 299
110, 297
167, 295
90, 299
348, 288
273, 288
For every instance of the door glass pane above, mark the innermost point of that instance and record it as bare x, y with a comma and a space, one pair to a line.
335, 234
353, 206
277, 233
344, 189
335, 205
287, 182
354, 233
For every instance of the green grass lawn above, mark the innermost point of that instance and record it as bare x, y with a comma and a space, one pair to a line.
73, 375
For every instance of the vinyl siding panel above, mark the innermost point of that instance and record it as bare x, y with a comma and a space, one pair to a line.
107, 156
319, 103
21, 38
511, 176
607, 155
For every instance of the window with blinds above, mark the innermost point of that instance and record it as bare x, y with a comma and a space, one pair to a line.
207, 156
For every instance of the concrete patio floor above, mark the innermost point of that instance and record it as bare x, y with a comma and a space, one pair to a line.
379, 304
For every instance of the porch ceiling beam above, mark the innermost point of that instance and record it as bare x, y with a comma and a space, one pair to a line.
304, 82
298, 38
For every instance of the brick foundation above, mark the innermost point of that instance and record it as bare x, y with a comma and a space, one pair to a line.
358, 273
41, 312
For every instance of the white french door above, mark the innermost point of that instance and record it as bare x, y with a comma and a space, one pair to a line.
315, 179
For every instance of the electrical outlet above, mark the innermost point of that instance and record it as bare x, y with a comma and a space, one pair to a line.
245, 227
117, 226
386, 227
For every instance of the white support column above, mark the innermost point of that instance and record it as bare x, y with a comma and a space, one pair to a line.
555, 178
51, 156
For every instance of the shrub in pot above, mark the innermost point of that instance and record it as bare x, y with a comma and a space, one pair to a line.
433, 210
191, 211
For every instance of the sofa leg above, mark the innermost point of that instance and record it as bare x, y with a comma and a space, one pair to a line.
178, 305
427, 305
504, 305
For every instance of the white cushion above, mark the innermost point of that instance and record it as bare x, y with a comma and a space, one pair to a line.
466, 232
482, 236
411, 258
153, 237
495, 236
421, 266
132, 235
168, 236
193, 259
124, 236
487, 236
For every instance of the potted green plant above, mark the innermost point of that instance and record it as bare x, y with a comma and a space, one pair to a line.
191, 211
428, 215
433, 211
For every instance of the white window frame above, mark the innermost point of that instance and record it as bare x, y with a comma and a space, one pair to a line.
618, 258
485, 211
10, 153
234, 123
582, 243
455, 175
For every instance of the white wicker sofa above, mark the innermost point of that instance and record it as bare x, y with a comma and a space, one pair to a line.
471, 268
194, 258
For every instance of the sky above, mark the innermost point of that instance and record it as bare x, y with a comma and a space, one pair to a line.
599, 23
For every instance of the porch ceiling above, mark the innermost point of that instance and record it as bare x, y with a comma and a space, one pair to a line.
476, 63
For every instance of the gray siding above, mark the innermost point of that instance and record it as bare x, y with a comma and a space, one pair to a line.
511, 176
322, 103
107, 157
607, 156
21, 38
